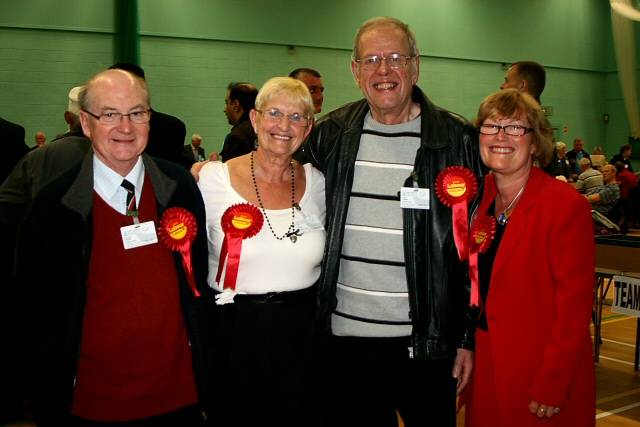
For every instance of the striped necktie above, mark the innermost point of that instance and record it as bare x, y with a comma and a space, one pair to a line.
132, 209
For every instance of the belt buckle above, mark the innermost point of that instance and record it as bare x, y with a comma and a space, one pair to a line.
270, 296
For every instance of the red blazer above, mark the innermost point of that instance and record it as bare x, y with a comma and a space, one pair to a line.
539, 305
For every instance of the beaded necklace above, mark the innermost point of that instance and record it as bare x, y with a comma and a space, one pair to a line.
291, 232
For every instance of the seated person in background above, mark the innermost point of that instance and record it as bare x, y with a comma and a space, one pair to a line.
626, 179
590, 179
560, 165
598, 158
623, 156
576, 154
629, 195
605, 198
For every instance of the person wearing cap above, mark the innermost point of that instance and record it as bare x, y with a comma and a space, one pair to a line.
72, 115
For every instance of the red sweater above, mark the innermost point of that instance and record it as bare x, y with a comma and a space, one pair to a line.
135, 359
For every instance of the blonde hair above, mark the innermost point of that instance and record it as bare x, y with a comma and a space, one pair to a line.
293, 89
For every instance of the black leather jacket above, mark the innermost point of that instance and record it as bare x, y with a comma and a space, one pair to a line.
437, 280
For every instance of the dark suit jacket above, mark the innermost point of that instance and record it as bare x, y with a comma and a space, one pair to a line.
166, 137
13, 147
61, 218
240, 141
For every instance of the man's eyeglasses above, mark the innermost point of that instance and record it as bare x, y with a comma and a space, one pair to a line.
274, 115
512, 130
395, 61
113, 117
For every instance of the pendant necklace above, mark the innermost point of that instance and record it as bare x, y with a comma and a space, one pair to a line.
291, 233
503, 218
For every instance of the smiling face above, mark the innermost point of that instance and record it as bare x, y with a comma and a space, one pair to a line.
387, 90
506, 154
117, 145
279, 137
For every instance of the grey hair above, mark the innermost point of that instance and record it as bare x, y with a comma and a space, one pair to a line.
382, 21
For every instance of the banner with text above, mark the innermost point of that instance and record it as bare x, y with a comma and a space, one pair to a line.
626, 297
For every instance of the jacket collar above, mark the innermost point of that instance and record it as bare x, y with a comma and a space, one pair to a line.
79, 196
518, 223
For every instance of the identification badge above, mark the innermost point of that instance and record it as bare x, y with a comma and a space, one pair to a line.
136, 235
414, 198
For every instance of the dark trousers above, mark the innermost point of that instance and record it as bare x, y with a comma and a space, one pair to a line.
260, 361
190, 416
366, 380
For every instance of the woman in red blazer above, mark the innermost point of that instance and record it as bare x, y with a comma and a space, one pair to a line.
533, 348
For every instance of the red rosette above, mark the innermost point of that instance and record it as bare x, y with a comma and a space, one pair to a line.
455, 187
483, 231
456, 184
240, 221
177, 231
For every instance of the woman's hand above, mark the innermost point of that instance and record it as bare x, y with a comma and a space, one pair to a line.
542, 410
195, 169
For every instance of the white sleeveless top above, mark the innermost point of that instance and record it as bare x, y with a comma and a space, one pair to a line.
267, 264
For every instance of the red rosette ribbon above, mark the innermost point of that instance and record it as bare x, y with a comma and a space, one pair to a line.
177, 232
483, 231
239, 222
455, 187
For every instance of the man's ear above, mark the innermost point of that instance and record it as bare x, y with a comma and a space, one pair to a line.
354, 71
84, 121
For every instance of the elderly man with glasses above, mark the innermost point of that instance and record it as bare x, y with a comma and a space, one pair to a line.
393, 296
115, 332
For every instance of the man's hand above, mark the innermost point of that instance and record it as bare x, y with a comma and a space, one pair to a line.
462, 367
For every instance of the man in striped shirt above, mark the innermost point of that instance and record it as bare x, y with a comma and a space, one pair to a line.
393, 295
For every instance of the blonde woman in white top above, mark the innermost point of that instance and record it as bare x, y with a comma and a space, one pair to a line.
265, 226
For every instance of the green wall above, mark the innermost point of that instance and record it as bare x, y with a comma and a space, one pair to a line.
191, 50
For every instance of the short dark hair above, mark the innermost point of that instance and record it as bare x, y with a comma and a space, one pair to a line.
534, 74
625, 147
296, 73
619, 167
134, 69
244, 93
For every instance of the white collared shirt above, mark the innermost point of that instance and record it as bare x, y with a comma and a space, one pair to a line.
106, 183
